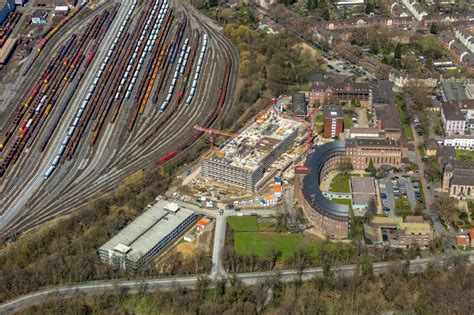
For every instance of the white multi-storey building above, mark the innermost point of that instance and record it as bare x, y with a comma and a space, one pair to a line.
460, 142
245, 161
415, 9
466, 38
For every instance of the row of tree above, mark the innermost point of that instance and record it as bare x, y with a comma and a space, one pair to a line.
67, 251
435, 291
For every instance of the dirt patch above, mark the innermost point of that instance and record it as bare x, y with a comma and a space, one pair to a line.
202, 243
186, 249
308, 49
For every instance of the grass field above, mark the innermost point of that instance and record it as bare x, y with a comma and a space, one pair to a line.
261, 244
402, 207
318, 122
340, 184
347, 121
251, 224
421, 149
405, 121
243, 224
465, 155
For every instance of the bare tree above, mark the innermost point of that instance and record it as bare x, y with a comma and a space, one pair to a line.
344, 166
446, 208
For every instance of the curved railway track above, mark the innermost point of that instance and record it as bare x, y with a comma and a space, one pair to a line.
118, 154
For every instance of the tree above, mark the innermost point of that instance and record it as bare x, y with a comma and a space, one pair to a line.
371, 168
366, 267
326, 15
369, 8
434, 29
328, 272
344, 166
417, 93
446, 208
212, 3
286, 2
312, 4
371, 209
398, 51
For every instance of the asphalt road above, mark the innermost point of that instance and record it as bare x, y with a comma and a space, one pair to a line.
429, 198
163, 284
218, 269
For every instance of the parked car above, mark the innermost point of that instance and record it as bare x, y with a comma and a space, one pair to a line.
383, 195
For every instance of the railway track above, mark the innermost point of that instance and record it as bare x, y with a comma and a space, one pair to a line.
116, 152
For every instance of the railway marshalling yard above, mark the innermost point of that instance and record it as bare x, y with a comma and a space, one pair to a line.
117, 88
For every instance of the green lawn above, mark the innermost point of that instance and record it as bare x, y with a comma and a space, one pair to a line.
405, 121
421, 148
402, 207
251, 224
465, 155
343, 201
318, 122
347, 121
340, 184
266, 226
243, 223
260, 244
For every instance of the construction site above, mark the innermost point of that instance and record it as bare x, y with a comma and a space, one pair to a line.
245, 166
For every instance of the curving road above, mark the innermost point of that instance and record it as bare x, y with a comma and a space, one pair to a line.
157, 284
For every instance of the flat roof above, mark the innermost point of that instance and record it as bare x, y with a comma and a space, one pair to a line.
332, 111
452, 112
453, 90
6, 50
140, 236
375, 142
363, 189
415, 228
256, 141
381, 221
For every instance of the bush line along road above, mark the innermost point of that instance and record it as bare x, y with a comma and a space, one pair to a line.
157, 284
99, 136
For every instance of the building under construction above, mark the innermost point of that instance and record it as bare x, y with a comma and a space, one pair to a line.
246, 160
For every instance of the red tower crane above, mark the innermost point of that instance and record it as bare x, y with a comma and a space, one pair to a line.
212, 132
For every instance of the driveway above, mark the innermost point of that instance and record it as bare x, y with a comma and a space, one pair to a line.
426, 192
390, 201
410, 191
362, 117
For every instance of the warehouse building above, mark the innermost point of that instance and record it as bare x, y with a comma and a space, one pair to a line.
147, 235
7, 50
245, 160
6, 6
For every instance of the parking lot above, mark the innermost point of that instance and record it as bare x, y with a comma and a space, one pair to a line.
395, 188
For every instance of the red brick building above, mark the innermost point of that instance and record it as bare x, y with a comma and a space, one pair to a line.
330, 88
379, 151
333, 121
